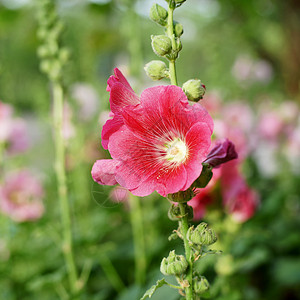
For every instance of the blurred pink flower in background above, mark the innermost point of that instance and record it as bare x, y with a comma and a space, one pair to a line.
21, 197
68, 127
248, 70
87, 100
239, 199
13, 131
119, 194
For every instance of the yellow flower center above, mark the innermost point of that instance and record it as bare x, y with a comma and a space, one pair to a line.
176, 151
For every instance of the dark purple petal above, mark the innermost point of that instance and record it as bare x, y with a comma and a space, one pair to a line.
221, 153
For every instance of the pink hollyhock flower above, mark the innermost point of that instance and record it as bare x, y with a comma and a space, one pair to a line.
20, 197
204, 196
160, 143
121, 95
239, 200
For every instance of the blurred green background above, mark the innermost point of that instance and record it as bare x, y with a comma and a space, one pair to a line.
246, 51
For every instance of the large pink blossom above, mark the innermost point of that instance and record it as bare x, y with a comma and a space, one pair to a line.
21, 197
158, 144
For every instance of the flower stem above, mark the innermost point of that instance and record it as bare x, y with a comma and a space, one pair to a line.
67, 246
171, 35
183, 223
138, 239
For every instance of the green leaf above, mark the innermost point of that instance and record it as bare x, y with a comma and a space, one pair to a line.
149, 293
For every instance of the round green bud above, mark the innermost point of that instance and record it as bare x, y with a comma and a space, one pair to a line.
156, 70
181, 196
201, 235
178, 29
173, 264
194, 89
158, 14
201, 284
161, 44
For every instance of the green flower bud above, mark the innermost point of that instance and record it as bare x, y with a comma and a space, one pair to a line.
178, 29
174, 213
201, 235
158, 14
181, 196
179, 1
161, 44
156, 70
204, 178
173, 264
201, 284
194, 89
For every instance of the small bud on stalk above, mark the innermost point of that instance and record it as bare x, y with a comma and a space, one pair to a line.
173, 264
178, 29
174, 213
201, 284
158, 14
156, 70
194, 89
201, 235
161, 45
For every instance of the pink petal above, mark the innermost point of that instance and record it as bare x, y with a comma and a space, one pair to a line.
103, 171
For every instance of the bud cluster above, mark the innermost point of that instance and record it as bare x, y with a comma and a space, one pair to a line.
167, 45
50, 29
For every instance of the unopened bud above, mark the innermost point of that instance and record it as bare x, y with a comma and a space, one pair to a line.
156, 70
178, 29
201, 284
161, 45
158, 14
174, 213
201, 235
181, 196
194, 89
204, 178
173, 264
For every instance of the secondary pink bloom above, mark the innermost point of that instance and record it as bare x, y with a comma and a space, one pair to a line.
239, 200
204, 197
160, 143
20, 197
270, 125
121, 95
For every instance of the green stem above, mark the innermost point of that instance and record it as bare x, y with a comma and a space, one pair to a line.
184, 226
138, 239
67, 246
171, 35
111, 273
